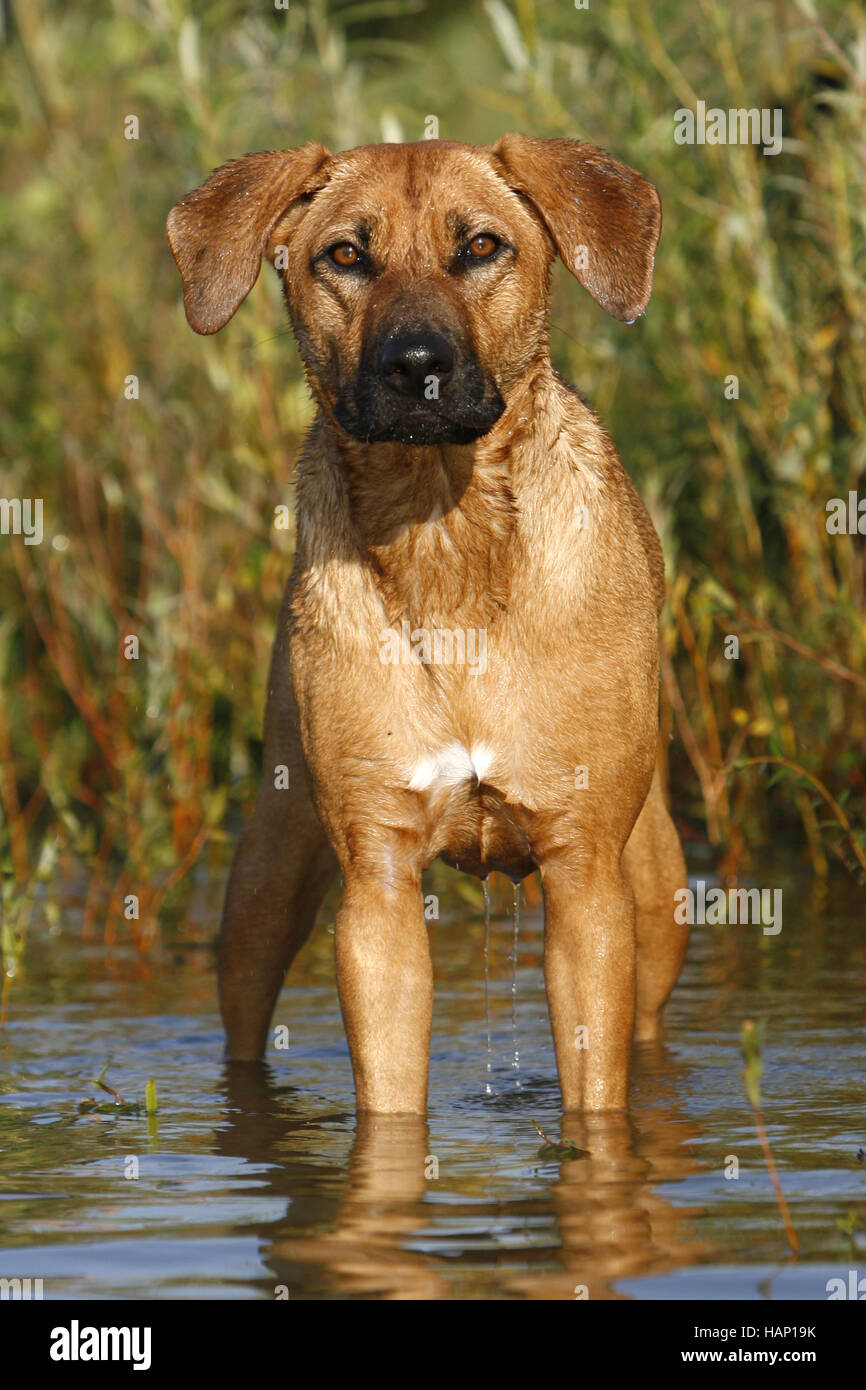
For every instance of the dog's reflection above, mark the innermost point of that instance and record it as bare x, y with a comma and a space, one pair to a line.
367, 1227
612, 1221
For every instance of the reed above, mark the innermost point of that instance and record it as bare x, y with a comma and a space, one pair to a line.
159, 502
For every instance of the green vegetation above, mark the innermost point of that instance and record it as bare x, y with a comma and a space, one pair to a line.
158, 511
118, 1105
563, 1149
752, 1046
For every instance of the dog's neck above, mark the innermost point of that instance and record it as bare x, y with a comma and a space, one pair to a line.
437, 523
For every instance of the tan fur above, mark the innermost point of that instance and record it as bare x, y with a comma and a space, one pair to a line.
532, 533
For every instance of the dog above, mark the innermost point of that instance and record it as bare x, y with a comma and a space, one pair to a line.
451, 483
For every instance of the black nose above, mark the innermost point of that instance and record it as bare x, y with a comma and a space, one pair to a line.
409, 360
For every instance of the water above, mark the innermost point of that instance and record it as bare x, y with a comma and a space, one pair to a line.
515, 911
257, 1182
488, 1087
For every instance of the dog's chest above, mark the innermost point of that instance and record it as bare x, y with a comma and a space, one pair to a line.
451, 766
476, 819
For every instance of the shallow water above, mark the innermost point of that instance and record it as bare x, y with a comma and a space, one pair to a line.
257, 1183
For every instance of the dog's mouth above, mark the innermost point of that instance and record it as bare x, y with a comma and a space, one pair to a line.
419, 425
417, 386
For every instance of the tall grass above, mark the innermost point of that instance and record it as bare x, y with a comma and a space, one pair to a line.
159, 509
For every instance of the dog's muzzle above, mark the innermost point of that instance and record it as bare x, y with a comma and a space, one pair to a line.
418, 386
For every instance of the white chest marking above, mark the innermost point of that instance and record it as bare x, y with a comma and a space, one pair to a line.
450, 766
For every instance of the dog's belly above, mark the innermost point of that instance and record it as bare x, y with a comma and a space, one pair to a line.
475, 826
481, 837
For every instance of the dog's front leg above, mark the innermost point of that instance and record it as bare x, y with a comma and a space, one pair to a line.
589, 967
385, 979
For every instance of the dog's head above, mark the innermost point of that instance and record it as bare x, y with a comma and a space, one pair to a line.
417, 275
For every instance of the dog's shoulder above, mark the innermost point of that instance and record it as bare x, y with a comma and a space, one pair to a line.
618, 480
649, 539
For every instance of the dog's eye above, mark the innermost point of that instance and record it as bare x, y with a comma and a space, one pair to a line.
345, 254
482, 247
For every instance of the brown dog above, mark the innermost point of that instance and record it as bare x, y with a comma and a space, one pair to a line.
466, 662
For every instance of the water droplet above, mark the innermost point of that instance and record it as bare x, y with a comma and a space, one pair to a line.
516, 1059
488, 1087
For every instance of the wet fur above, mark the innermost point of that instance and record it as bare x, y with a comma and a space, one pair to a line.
532, 532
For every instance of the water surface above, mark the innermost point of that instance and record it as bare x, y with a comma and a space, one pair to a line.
256, 1182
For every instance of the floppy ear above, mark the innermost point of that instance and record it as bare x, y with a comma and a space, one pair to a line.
603, 217
219, 232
